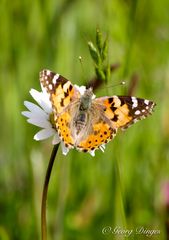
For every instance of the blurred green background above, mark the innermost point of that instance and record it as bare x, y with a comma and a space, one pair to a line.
128, 185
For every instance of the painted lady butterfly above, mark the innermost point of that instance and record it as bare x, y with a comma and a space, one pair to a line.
85, 122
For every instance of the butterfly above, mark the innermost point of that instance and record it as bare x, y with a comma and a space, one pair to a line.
85, 122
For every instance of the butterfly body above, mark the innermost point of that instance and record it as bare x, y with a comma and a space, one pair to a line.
81, 118
85, 122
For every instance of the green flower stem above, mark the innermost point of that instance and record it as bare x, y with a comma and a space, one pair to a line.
45, 191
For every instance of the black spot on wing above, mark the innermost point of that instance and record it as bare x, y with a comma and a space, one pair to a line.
113, 108
62, 102
110, 100
70, 88
66, 94
115, 118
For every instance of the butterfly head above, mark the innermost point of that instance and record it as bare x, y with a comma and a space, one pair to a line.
86, 99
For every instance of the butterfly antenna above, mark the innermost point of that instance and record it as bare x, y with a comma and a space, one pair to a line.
122, 83
82, 67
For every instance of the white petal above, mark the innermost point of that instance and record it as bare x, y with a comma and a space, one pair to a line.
43, 134
26, 114
42, 99
81, 89
35, 94
40, 122
46, 95
56, 139
36, 110
92, 153
40, 114
65, 150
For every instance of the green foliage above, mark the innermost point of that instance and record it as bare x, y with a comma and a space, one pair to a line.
99, 56
121, 187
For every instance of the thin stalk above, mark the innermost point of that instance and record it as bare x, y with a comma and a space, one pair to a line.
120, 194
45, 192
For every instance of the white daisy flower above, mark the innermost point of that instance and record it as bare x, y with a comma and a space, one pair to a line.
41, 115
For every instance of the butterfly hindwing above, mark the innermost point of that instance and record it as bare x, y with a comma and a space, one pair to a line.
98, 133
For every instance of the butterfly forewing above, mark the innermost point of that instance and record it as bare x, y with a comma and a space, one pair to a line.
60, 89
123, 111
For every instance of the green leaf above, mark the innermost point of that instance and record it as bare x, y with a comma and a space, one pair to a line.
100, 73
107, 73
104, 49
99, 41
94, 53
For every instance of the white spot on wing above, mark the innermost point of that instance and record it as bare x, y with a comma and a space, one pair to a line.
55, 78
66, 86
146, 101
135, 120
50, 86
48, 72
137, 112
134, 101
